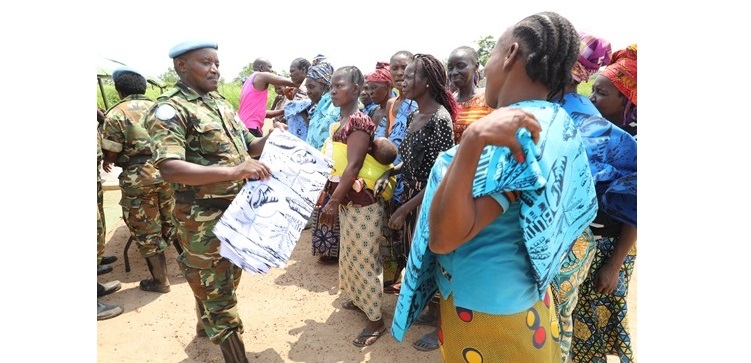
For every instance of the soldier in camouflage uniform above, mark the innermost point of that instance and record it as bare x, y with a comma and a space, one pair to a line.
202, 147
100, 225
147, 201
103, 310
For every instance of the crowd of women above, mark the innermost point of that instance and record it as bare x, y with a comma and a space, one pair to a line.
508, 218
497, 203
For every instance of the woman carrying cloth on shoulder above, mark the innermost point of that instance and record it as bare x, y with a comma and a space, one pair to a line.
522, 208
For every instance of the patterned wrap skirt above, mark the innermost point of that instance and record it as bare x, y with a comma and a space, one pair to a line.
325, 238
401, 240
600, 321
360, 264
565, 286
470, 336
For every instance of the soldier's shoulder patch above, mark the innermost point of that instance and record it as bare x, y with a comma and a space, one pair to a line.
165, 112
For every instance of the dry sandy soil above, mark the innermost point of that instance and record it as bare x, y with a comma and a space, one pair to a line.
290, 315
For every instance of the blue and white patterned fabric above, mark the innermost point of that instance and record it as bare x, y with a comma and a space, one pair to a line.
324, 115
612, 158
293, 114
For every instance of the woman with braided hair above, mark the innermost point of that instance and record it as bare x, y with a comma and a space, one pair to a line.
429, 132
523, 206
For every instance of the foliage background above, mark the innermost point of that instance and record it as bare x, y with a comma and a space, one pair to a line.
231, 90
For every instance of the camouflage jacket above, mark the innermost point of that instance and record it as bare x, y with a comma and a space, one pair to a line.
99, 154
124, 134
203, 130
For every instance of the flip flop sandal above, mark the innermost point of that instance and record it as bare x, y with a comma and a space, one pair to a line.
375, 335
426, 319
393, 289
426, 344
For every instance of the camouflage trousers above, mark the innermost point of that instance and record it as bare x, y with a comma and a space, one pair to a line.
100, 224
147, 211
565, 285
213, 278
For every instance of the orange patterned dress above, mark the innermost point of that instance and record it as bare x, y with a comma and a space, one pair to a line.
470, 111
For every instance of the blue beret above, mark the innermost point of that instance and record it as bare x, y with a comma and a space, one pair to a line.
122, 70
185, 47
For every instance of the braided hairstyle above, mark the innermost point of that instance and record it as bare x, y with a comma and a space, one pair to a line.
438, 82
301, 63
130, 83
552, 48
355, 76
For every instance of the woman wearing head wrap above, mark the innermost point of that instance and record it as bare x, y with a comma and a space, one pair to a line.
381, 87
612, 155
614, 90
325, 236
521, 206
599, 316
319, 77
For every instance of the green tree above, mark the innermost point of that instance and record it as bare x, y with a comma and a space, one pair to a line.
170, 77
484, 47
246, 71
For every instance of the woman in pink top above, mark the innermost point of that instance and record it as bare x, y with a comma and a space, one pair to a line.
255, 94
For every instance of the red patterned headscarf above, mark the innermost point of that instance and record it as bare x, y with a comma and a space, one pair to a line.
622, 72
381, 74
594, 53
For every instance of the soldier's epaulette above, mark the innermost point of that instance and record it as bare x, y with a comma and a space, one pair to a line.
168, 94
217, 94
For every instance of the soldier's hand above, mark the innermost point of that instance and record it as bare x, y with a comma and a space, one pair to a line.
252, 169
107, 167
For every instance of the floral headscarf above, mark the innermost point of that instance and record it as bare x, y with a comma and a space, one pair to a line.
594, 53
622, 72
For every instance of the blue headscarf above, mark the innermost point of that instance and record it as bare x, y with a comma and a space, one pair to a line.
321, 72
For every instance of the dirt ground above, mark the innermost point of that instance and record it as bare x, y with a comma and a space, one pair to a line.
290, 315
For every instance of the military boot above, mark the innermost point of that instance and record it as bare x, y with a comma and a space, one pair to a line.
158, 268
200, 331
233, 349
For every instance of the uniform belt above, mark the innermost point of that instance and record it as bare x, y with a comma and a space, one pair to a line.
139, 159
188, 197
